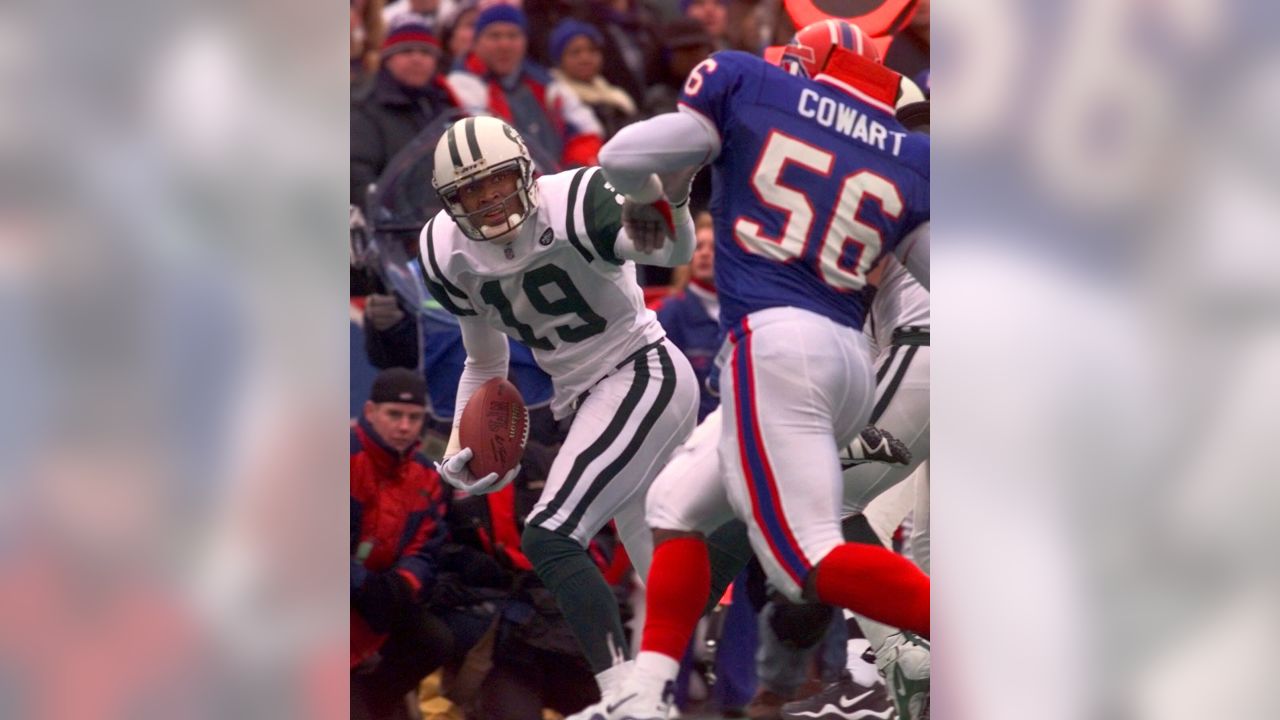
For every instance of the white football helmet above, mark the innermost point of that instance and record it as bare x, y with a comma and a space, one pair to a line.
475, 148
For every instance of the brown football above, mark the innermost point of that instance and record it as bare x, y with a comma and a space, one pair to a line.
495, 425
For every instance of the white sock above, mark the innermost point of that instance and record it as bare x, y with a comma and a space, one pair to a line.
610, 680
653, 670
863, 672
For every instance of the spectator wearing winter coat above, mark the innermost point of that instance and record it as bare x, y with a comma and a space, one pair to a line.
576, 52
691, 317
397, 526
498, 78
407, 95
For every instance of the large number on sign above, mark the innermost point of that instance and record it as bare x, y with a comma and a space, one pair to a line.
571, 302
849, 246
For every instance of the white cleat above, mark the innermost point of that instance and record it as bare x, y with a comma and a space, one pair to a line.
631, 703
905, 664
844, 699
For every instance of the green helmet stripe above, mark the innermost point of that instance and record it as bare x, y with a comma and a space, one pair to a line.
454, 155
472, 143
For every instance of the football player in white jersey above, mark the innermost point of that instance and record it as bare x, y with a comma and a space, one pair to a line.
547, 262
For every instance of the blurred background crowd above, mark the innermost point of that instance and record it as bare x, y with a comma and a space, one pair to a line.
176, 177
465, 607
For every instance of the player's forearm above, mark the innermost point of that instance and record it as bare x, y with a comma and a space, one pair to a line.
487, 358
685, 239
663, 145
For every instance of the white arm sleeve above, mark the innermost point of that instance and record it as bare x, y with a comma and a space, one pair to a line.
663, 145
487, 356
913, 253
670, 254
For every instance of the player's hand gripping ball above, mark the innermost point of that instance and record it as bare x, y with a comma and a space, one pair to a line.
493, 433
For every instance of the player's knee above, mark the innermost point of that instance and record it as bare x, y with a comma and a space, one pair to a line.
658, 512
544, 547
661, 535
782, 585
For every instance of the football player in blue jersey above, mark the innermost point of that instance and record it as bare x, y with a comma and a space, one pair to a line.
814, 180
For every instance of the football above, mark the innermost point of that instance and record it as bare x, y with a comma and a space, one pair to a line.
495, 425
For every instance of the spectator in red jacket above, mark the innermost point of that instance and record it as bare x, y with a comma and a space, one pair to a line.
396, 527
497, 77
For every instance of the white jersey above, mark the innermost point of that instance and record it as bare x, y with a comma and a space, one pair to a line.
900, 301
558, 288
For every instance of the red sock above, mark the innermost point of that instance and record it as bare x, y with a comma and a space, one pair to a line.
875, 582
679, 582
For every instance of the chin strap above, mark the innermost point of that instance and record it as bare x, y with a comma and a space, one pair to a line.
513, 225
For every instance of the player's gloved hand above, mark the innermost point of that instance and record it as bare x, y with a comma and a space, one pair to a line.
875, 445
648, 225
382, 311
454, 470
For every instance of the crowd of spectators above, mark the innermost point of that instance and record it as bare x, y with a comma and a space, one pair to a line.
568, 73
438, 579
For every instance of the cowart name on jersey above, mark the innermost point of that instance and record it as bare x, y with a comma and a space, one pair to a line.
815, 179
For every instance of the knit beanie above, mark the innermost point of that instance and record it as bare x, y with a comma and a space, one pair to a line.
566, 31
399, 385
501, 13
410, 36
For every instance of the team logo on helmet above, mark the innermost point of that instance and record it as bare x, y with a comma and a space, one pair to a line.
511, 133
795, 58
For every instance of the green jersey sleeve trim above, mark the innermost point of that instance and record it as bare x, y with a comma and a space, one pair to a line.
444, 292
570, 225
602, 212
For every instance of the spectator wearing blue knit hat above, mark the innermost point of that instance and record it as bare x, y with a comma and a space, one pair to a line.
497, 77
576, 54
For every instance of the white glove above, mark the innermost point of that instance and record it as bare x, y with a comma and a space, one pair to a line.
648, 225
454, 470
383, 311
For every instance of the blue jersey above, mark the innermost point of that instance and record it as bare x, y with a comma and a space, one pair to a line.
815, 180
